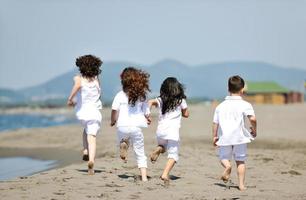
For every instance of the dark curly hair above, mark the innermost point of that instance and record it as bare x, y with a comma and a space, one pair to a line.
171, 94
89, 65
135, 83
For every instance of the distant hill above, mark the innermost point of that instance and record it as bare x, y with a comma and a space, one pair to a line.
201, 81
10, 97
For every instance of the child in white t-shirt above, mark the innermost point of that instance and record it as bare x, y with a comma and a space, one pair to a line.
130, 112
172, 106
88, 105
229, 131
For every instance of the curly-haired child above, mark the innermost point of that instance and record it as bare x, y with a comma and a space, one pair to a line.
88, 105
130, 113
172, 106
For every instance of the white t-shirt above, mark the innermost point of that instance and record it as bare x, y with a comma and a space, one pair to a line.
170, 122
230, 116
133, 116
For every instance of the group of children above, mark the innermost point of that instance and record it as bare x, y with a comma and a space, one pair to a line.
131, 112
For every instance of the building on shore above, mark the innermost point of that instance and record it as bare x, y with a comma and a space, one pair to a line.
271, 93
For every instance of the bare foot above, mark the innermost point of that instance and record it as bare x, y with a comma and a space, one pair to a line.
85, 157
91, 170
226, 174
166, 181
155, 154
124, 145
144, 179
242, 188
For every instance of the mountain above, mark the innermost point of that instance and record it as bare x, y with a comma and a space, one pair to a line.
10, 97
201, 81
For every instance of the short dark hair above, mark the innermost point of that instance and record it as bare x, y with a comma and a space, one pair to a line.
89, 65
235, 84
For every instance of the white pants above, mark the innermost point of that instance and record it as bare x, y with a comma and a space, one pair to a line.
135, 137
172, 147
239, 152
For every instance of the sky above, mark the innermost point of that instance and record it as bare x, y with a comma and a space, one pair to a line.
40, 39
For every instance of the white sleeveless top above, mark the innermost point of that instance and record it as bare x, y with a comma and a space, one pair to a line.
88, 101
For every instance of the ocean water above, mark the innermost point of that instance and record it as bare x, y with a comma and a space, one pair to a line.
16, 121
22, 166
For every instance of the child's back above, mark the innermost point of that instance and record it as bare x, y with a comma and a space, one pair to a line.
88, 98
129, 115
230, 115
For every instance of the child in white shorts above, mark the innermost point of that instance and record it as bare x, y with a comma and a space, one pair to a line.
172, 106
229, 132
130, 112
88, 105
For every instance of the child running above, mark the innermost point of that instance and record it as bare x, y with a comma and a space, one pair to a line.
88, 105
172, 106
229, 131
130, 113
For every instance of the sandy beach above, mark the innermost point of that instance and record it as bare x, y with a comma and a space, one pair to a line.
276, 165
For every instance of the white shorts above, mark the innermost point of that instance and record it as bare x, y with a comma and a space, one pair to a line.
171, 146
91, 127
239, 152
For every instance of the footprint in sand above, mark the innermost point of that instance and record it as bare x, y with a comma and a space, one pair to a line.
113, 185
134, 196
265, 160
59, 193
292, 172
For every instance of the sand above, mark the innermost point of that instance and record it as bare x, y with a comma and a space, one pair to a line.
276, 165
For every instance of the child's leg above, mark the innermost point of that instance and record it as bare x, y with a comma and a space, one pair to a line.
91, 147
85, 146
158, 150
241, 174
227, 170
225, 155
92, 129
92, 153
172, 149
170, 164
138, 147
240, 155
123, 141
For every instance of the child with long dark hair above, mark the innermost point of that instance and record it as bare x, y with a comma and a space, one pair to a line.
88, 105
130, 112
172, 106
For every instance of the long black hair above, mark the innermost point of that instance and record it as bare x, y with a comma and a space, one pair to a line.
171, 94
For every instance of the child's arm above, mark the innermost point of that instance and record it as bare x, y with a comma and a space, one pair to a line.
185, 113
152, 102
75, 89
114, 117
215, 133
184, 109
253, 122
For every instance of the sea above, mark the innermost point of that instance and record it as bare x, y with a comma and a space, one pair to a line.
12, 167
17, 121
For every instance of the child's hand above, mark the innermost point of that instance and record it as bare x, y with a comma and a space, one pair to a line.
215, 140
70, 103
112, 123
148, 119
253, 132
